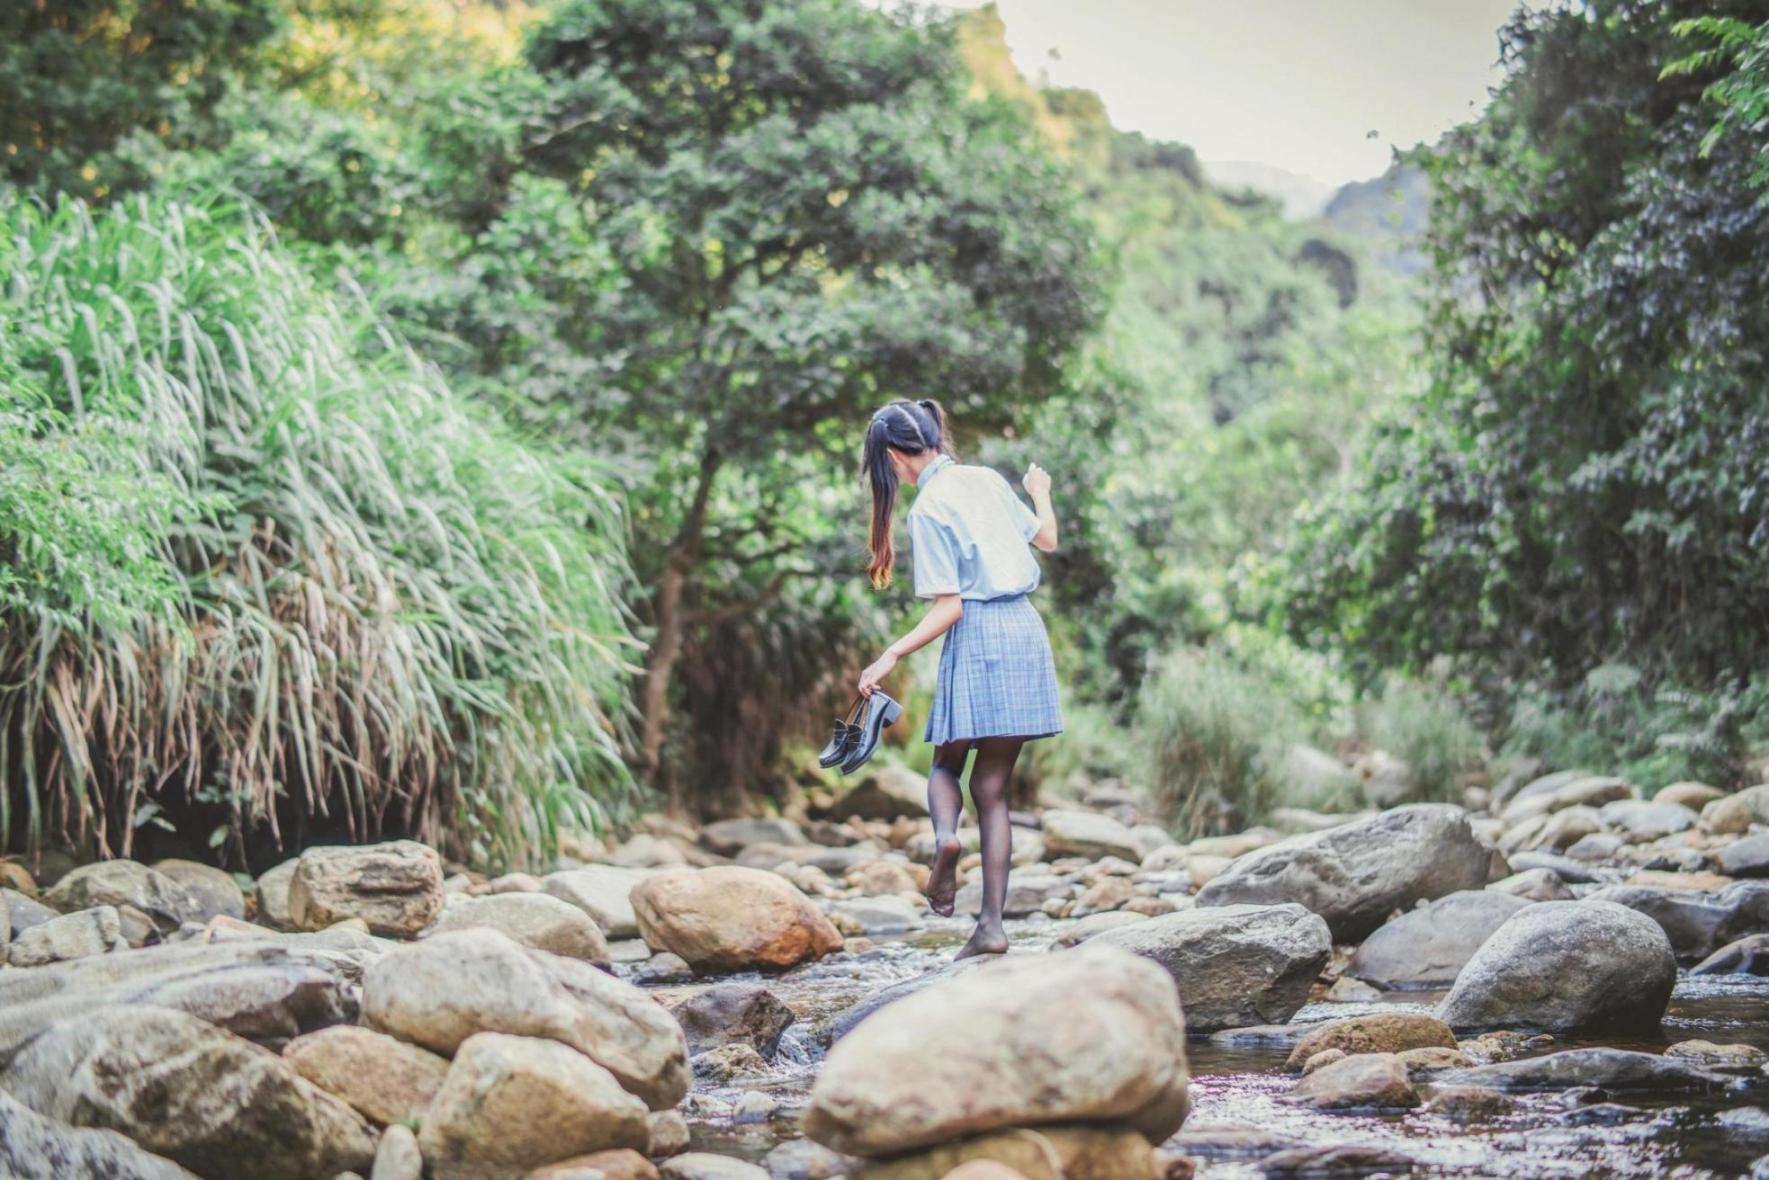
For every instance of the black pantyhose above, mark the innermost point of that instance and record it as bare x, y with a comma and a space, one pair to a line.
990, 776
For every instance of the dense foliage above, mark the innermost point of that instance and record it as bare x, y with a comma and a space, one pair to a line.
659, 258
266, 574
1583, 482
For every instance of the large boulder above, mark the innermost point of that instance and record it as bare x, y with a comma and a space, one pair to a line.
35, 1148
125, 883
186, 1090
604, 892
532, 919
441, 991
1426, 947
732, 919
1093, 1035
1234, 965
386, 1080
512, 1103
1089, 834
1563, 965
396, 888
1356, 874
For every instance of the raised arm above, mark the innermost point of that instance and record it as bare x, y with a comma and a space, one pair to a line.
1037, 485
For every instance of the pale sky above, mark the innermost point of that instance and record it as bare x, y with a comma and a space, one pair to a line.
1295, 83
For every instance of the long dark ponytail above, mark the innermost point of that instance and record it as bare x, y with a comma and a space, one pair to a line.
914, 428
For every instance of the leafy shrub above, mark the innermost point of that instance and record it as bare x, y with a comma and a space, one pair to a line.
260, 560
1616, 722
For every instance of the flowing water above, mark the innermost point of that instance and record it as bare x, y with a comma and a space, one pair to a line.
1237, 1117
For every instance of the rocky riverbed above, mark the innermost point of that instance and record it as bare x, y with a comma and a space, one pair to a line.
1558, 980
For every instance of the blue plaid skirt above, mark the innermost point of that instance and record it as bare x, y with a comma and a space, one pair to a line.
997, 678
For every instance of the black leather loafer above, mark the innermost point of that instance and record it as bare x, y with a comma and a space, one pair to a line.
845, 737
881, 710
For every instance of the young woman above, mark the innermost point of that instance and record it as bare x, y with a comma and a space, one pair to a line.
997, 690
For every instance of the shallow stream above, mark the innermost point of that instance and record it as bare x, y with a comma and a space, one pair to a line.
1237, 1118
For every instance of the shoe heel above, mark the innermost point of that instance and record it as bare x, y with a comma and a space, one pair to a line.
891, 712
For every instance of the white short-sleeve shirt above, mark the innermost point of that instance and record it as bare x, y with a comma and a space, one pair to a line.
969, 534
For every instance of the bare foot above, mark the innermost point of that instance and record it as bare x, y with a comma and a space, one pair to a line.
983, 942
942, 880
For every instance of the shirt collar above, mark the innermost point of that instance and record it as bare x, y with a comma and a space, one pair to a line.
935, 464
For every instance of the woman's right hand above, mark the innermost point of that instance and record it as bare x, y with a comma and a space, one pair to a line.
1036, 481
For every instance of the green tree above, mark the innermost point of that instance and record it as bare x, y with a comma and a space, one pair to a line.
1583, 482
806, 217
79, 76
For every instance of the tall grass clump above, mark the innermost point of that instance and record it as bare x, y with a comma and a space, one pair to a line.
259, 565
1214, 733
1424, 727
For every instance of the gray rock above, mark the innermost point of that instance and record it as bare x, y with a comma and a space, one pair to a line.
701, 1165
23, 912
125, 883
1647, 821
802, 1159
604, 892
845, 1021
273, 893
260, 990
1091, 1033
77, 935
397, 1157
396, 887
1094, 924
728, 837
886, 792
1610, 1069
1235, 965
1026, 894
885, 914
36, 1148
1747, 956
512, 1103
1566, 965
210, 890
1086, 833
731, 1012
1587, 791
441, 991
1564, 867
1426, 948
1597, 847
1697, 923
1533, 885
1748, 857
532, 919
181, 1088
1355, 875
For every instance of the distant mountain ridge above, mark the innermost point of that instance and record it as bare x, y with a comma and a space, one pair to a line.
1303, 197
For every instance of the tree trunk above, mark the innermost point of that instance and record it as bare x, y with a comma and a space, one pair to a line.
667, 617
